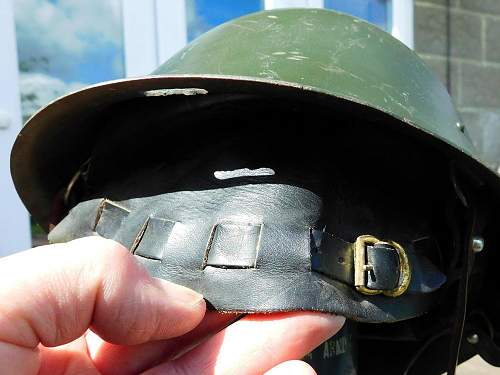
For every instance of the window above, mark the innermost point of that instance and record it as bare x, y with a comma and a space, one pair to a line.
374, 11
202, 15
65, 45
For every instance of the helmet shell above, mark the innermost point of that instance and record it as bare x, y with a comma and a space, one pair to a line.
329, 52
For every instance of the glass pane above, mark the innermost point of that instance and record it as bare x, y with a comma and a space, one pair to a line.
203, 15
374, 11
63, 45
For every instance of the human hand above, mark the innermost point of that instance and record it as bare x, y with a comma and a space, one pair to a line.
87, 307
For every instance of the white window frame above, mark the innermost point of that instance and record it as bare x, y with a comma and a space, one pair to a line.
14, 219
402, 21
276, 4
153, 31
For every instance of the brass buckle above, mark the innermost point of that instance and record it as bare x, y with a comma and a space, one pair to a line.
361, 267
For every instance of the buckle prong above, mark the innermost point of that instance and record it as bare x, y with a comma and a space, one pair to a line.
361, 267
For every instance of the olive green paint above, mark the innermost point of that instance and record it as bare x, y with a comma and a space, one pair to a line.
331, 52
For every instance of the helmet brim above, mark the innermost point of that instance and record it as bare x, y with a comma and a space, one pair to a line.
65, 128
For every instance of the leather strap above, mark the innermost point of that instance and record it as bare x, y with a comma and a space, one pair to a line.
334, 258
253, 248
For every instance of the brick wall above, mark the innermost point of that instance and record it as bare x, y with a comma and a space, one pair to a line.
474, 66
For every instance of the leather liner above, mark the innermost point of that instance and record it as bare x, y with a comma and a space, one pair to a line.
247, 249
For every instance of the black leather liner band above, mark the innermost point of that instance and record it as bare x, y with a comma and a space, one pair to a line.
253, 248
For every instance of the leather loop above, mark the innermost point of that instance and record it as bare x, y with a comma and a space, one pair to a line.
109, 218
234, 245
383, 261
152, 243
332, 257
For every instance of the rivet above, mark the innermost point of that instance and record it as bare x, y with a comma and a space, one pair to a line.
477, 244
473, 339
461, 126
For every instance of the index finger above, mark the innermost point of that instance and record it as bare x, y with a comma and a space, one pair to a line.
256, 343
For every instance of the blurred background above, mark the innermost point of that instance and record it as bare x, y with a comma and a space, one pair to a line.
51, 47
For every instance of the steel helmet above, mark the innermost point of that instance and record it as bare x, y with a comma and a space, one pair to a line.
305, 145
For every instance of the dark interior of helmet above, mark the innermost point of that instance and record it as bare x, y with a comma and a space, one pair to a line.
371, 179
373, 176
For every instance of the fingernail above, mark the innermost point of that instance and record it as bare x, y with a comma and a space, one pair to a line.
180, 294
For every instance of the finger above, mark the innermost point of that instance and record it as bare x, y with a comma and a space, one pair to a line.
256, 344
122, 359
18, 360
53, 294
67, 359
292, 368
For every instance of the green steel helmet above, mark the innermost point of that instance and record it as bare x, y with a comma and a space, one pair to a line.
294, 159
